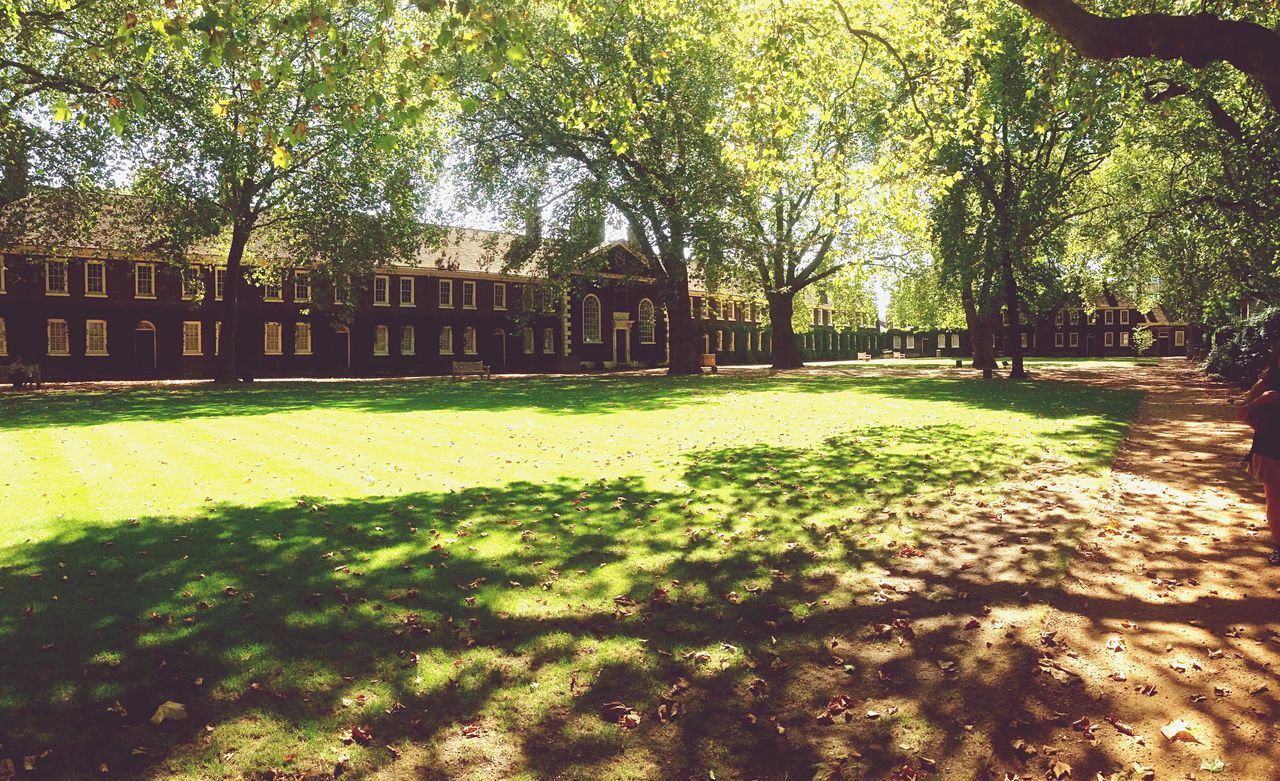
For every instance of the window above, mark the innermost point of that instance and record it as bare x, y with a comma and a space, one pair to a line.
338, 296
955, 341
217, 337
302, 338
55, 277
591, 319
274, 289
4, 338
407, 340
144, 280
301, 287
1109, 316
381, 288
1179, 338
2, 274
95, 337
719, 341
705, 309
548, 341
219, 283
59, 339
733, 342
1004, 317
190, 284
446, 340
468, 294
527, 334
1023, 340
897, 341
1124, 317
648, 321
406, 292
1109, 339
714, 307
271, 339
1075, 317
1075, 339
191, 338
381, 340
446, 295
1057, 340
499, 296
469, 340
911, 341
95, 278
1124, 338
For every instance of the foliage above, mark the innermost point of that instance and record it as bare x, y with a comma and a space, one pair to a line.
1143, 341
1239, 352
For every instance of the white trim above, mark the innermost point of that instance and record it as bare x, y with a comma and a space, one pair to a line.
401, 288
1109, 339
199, 334
268, 348
469, 341
298, 280
445, 299
409, 332
277, 286
4, 338
299, 328
66, 336
649, 325
1109, 317
529, 340
500, 286
92, 293
1124, 317
587, 324
1058, 340
381, 340
386, 290
137, 280
3, 281
1074, 341
446, 340
1124, 338
468, 286
548, 341
219, 282
1179, 338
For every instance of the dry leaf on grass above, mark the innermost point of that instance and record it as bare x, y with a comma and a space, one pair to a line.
169, 711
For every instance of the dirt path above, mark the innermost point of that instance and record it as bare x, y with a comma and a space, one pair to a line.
1168, 610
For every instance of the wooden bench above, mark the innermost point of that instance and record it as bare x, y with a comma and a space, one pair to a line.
32, 376
864, 356
470, 369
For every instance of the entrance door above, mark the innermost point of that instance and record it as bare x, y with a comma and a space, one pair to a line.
1091, 345
1162, 344
144, 349
500, 348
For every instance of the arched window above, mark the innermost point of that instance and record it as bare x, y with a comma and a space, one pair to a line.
591, 319
647, 322
469, 341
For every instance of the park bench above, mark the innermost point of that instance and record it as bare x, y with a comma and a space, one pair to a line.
898, 355
31, 375
470, 369
864, 356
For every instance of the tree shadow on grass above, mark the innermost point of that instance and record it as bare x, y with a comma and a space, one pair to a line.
560, 395
283, 625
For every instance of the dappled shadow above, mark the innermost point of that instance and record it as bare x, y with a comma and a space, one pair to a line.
496, 621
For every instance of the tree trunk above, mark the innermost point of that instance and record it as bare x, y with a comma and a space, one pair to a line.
685, 356
786, 351
1017, 372
981, 330
229, 366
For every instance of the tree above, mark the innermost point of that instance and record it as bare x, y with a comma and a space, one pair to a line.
801, 135
1197, 39
290, 135
609, 100
1034, 125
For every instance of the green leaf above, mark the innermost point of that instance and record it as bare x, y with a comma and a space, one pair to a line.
61, 113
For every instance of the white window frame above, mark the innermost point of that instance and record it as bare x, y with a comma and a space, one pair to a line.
137, 280
192, 291
897, 341
1075, 317
1023, 340
548, 341
1124, 338
408, 340
301, 287
268, 329
219, 283
198, 349
49, 290
1179, 338
1057, 339
911, 341
4, 338
469, 341
381, 290
955, 341
1109, 317
649, 324
411, 288
1109, 339
446, 340
65, 333
719, 341
590, 336
217, 337
713, 307
500, 296
1124, 317
275, 283
101, 266
733, 341
528, 338
88, 338
1074, 341
1058, 318
302, 346
468, 294
338, 298
444, 296
381, 340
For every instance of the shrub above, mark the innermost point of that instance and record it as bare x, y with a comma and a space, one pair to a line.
1143, 341
1239, 352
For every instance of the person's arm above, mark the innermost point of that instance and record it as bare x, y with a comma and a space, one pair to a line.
1251, 398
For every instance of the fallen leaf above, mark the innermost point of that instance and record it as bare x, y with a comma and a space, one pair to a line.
1178, 730
169, 711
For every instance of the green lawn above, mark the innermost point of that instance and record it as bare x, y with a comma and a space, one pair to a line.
469, 571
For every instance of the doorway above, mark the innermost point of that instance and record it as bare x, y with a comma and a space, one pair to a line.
500, 348
144, 348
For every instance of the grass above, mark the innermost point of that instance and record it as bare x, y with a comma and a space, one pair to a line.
469, 571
